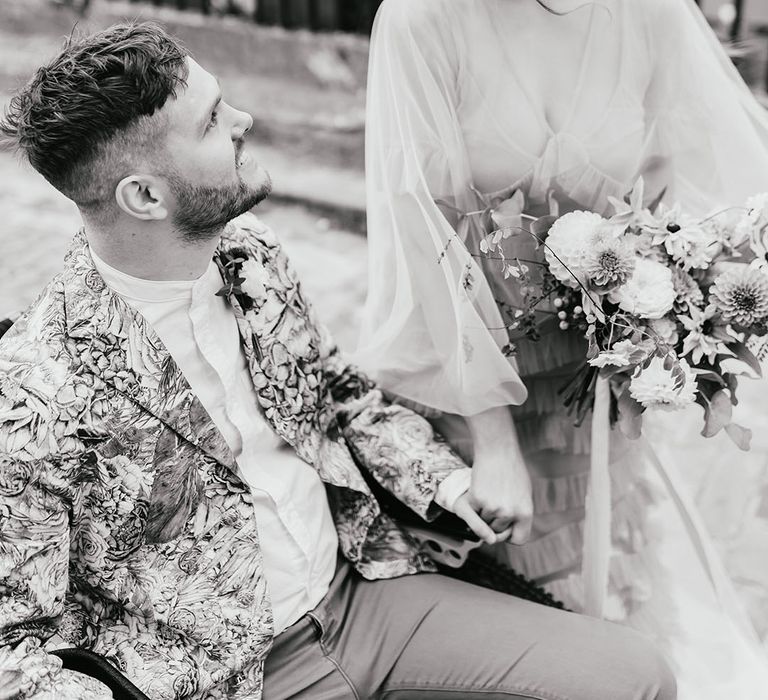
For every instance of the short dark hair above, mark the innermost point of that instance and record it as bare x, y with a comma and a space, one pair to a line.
83, 118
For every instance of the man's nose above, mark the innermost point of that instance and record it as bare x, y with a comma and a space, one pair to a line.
242, 124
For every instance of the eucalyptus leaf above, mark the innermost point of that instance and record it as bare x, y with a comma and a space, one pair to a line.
493, 199
678, 374
717, 414
508, 214
743, 353
708, 375
540, 227
740, 435
593, 349
733, 384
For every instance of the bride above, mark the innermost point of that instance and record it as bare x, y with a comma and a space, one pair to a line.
572, 101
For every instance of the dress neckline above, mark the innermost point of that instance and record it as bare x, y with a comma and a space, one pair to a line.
537, 110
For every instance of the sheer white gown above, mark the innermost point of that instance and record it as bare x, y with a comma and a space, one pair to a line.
470, 96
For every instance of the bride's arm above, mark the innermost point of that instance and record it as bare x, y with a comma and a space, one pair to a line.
432, 331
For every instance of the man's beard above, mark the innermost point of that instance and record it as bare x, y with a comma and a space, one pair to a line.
203, 211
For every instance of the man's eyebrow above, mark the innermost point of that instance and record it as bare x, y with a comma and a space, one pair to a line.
207, 114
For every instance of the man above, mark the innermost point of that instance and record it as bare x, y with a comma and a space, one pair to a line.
177, 438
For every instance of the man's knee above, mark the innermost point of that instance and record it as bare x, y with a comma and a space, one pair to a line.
655, 669
643, 671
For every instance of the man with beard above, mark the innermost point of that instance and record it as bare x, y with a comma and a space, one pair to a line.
178, 491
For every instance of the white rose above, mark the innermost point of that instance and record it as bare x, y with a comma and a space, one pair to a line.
649, 293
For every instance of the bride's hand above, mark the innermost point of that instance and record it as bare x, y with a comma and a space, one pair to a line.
501, 490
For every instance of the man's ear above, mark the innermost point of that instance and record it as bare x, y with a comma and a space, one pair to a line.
143, 197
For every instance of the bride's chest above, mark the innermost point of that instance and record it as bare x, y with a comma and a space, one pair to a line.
555, 97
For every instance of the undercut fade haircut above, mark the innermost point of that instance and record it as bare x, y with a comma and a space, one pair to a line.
86, 119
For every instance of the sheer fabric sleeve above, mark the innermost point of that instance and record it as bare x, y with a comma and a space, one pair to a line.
707, 134
431, 331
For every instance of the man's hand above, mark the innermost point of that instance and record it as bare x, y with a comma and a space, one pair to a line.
464, 509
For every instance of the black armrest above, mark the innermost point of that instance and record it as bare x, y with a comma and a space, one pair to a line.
480, 569
98, 667
5, 324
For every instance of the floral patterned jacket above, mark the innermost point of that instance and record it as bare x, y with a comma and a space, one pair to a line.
126, 526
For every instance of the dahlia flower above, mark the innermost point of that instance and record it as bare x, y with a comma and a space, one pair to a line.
568, 244
741, 296
609, 261
687, 291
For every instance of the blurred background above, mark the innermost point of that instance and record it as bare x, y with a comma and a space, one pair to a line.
299, 67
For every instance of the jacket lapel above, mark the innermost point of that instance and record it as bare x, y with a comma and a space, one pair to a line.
117, 345
282, 345
270, 366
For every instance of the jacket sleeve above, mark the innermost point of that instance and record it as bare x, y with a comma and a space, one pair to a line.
34, 557
395, 445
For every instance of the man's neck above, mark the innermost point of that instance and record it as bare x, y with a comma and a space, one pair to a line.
151, 252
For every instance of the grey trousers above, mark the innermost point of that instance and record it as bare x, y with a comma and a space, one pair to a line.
429, 636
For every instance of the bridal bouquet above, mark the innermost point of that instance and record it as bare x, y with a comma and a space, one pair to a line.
668, 303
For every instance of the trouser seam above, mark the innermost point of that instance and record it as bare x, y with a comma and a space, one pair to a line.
518, 691
343, 673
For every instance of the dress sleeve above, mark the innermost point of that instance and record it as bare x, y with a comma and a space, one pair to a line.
707, 134
431, 330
